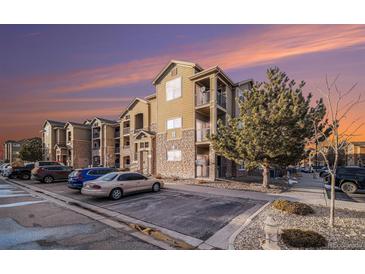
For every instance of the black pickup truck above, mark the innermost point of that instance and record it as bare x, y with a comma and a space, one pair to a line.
23, 172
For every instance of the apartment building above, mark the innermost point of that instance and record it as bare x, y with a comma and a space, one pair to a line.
167, 133
138, 125
355, 154
53, 138
77, 151
105, 142
11, 150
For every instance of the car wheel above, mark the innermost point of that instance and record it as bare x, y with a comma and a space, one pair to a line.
116, 194
349, 187
11, 176
25, 176
48, 179
156, 187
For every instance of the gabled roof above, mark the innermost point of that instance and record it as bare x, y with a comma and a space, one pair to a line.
151, 96
60, 146
175, 62
103, 120
146, 132
215, 69
77, 125
131, 104
54, 123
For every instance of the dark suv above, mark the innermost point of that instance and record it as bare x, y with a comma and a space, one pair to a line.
349, 179
23, 172
49, 174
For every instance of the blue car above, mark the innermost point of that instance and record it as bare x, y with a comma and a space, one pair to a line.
77, 178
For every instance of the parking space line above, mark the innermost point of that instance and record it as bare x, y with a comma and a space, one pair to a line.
21, 204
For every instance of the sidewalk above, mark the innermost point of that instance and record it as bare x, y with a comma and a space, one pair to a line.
307, 190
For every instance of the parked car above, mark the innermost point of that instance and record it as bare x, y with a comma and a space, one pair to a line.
306, 169
349, 179
47, 163
49, 174
323, 172
115, 184
77, 177
23, 172
7, 171
4, 169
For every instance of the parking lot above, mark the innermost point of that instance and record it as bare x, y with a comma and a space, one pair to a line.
28, 221
194, 214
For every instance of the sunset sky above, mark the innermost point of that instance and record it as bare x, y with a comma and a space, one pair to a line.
76, 72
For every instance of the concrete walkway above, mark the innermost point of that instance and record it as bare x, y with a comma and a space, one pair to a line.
308, 190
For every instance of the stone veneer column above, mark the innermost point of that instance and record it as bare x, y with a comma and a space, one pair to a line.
213, 125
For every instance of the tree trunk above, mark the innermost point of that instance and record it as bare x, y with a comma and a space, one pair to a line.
265, 176
332, 204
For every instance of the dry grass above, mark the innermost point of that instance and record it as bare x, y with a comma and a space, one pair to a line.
293, 207
303, 238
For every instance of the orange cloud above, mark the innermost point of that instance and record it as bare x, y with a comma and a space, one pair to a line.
233, 52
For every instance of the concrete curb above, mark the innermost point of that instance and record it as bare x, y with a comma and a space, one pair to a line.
247, 222
117, 221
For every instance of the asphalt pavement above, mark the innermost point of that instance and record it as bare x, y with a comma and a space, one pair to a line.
30, 222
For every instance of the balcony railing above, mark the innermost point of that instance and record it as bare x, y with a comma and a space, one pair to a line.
117, 149
202, 134
202, 98
117, 134
126, 130
221, 100
96, 148
96, 134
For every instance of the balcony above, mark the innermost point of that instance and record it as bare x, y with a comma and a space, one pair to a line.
221, 100
203, 134
117, 149
202, 98
96, 134
117, 134
96, 148
126, 130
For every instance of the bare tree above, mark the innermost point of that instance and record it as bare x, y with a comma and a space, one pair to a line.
331, 134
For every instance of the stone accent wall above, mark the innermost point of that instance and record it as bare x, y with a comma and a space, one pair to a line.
182, 169
81, 154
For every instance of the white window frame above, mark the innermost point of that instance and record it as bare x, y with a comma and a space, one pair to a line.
172, 94
174, 155
174, 123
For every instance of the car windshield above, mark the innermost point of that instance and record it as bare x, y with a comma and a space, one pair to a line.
108, 177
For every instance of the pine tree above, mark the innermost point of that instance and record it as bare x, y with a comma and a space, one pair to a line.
31, 150
273, 127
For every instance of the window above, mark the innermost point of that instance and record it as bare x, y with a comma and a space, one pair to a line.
54, 168
141, 145
173, 89
173, 123
174, 155
131, 177
146, 144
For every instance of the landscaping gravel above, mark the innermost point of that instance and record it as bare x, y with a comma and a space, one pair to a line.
348, 233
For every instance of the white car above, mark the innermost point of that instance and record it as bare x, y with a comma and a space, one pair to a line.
3, 168
7, 171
